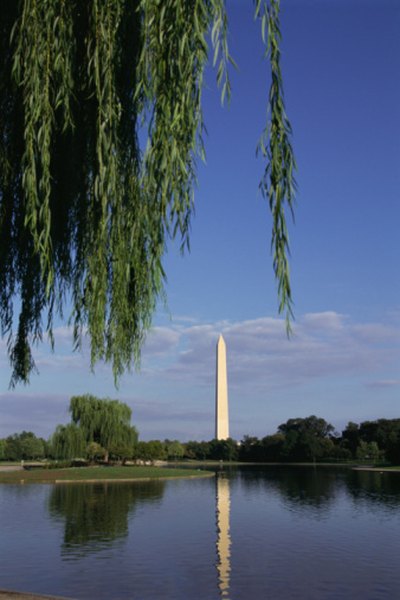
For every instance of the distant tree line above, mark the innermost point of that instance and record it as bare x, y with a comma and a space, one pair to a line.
67, 443
100, 430
23, 446
309, 439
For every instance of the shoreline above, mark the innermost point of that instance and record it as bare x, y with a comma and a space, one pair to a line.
378, 469
203, 475
92, 475
11, 595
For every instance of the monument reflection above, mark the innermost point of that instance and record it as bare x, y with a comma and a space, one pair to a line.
223, 544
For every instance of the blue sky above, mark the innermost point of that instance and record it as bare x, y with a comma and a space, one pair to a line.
341, 65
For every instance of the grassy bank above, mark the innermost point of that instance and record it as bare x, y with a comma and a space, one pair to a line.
395, 469
94, 474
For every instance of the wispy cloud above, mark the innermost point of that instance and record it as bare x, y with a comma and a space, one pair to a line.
161, 340
323, 345
259, 353
384, 383
324, 321
172, 395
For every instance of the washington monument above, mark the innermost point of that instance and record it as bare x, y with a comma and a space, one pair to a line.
221, 393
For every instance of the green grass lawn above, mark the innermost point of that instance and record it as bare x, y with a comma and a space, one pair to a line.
97, 474
395, 468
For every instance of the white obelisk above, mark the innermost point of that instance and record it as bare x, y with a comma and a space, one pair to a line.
221, 393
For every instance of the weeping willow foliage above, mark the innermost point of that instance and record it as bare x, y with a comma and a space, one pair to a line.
98, 421
85, 210
103, 421
278, 184
68, 442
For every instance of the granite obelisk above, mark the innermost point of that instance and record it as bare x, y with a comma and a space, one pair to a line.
221, 393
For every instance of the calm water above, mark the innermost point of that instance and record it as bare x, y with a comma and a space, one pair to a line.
275, 533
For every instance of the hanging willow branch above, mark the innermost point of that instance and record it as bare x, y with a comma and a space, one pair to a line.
85, 215
278, 183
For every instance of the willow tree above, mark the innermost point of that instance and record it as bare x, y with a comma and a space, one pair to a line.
68, 442
85, 210
103, 421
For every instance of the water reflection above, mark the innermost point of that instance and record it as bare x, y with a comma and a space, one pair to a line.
372, 488
96, 515
223, 504
257, 532
302, 488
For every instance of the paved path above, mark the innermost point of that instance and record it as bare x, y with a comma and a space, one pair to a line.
11, 468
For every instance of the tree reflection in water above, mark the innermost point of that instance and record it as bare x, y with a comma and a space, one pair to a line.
96, 515
309, 488
374, 488
303, 488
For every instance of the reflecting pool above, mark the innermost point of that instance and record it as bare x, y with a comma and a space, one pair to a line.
249, 533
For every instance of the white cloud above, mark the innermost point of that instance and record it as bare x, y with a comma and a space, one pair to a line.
172, 395
323, 345
160, 340
324, 321
375, 333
